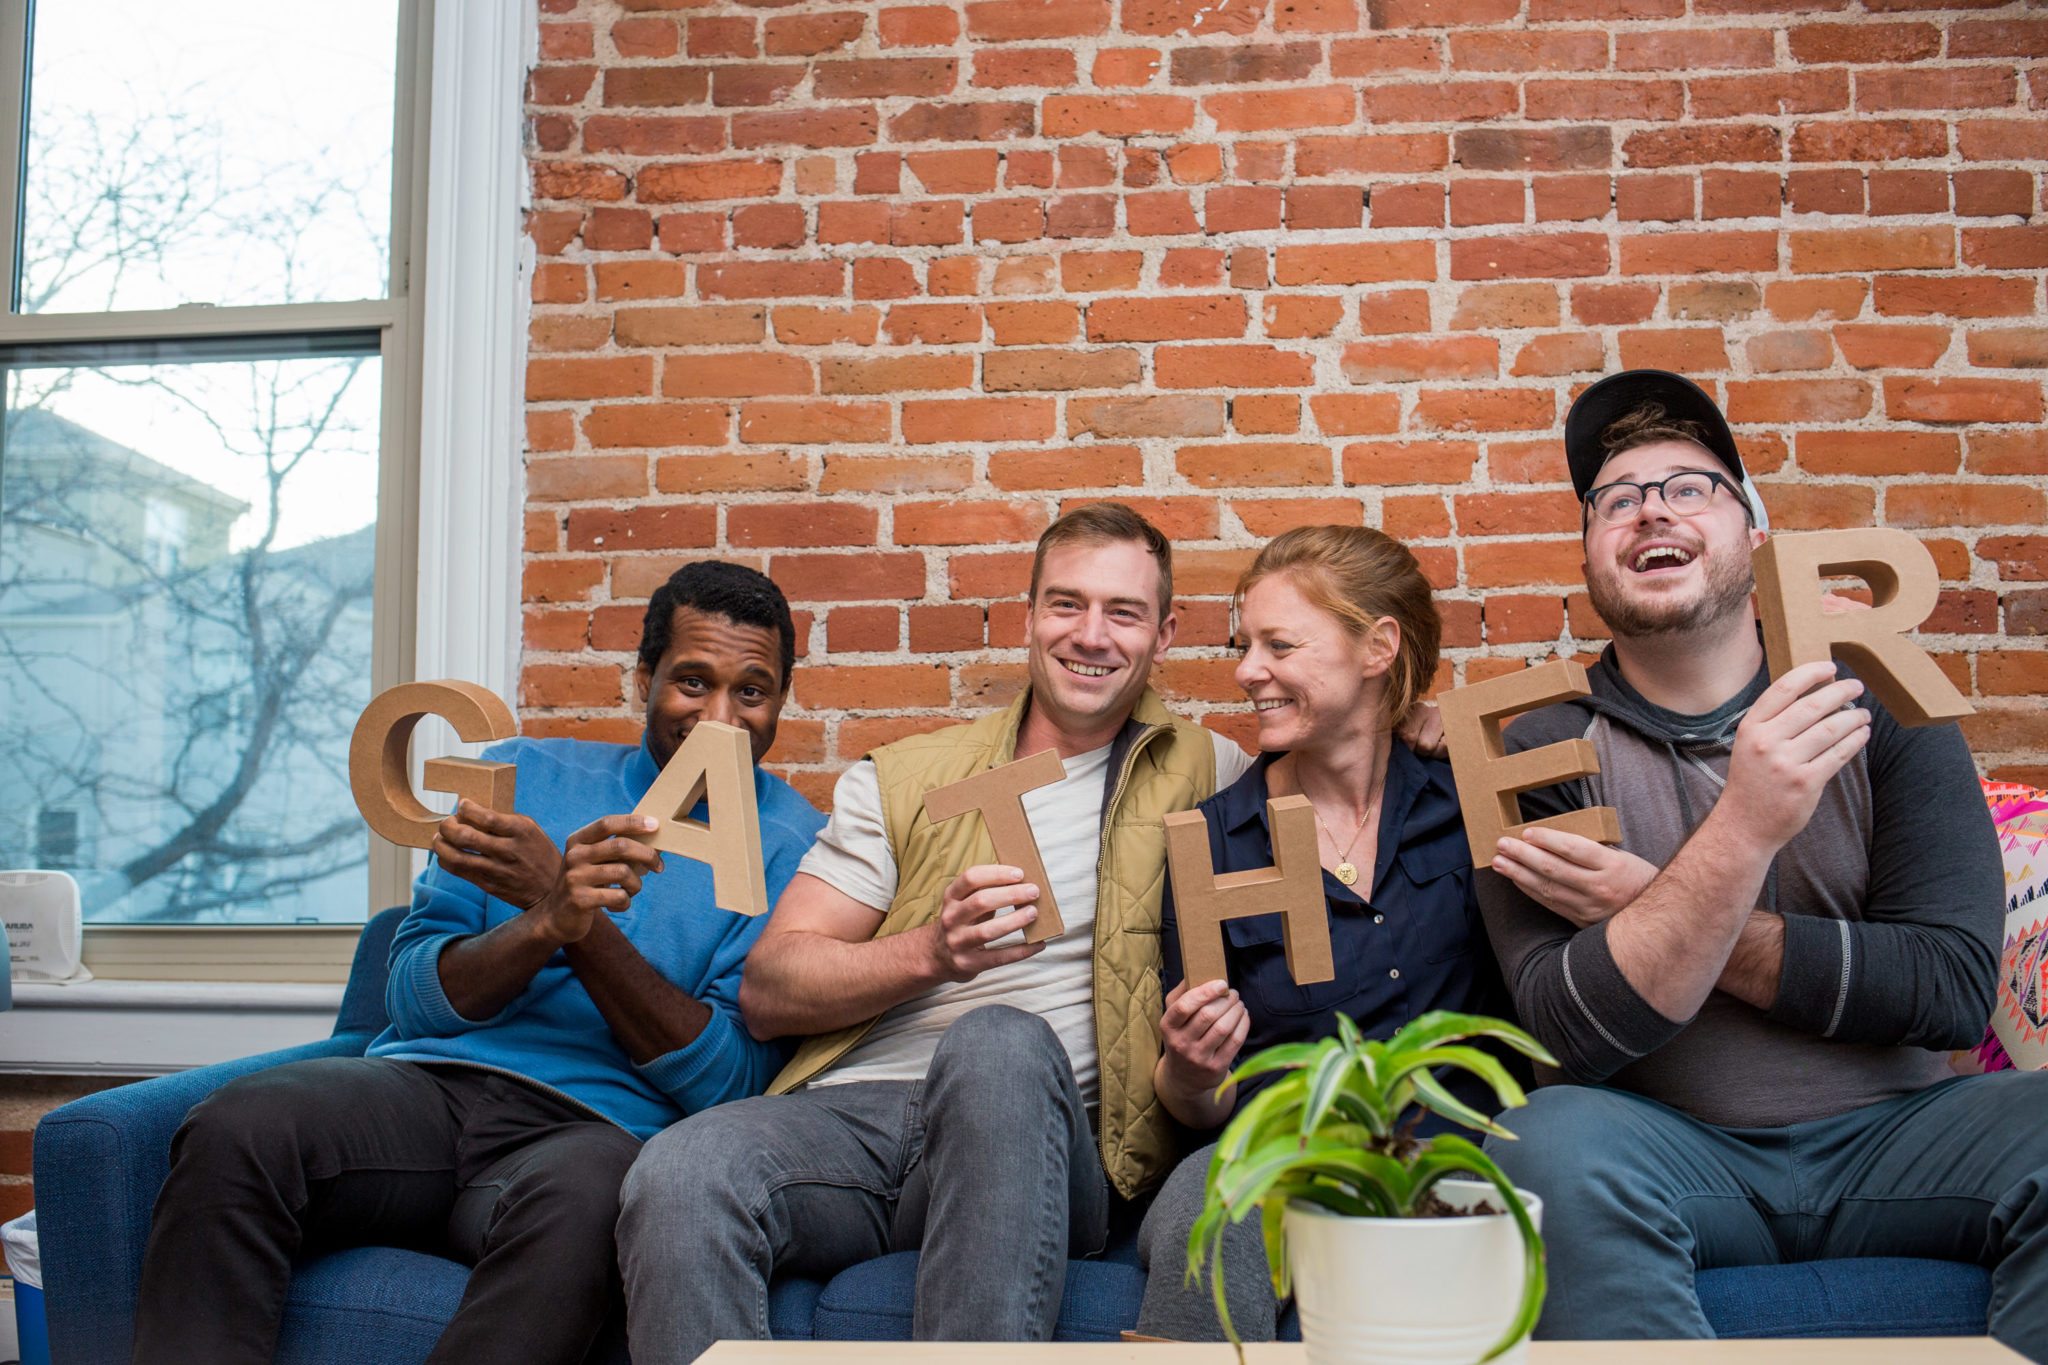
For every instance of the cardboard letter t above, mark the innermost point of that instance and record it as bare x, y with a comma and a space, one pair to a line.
377, 751
998, 793
715, 764
1489, 779
1292, 888
1904, 585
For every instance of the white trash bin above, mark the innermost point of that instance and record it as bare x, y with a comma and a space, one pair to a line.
25, 1264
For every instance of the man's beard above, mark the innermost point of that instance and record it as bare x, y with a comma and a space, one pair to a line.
1727, 591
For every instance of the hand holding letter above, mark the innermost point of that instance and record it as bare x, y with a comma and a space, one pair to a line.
1587, 883
600, 871
981, 905
1797, 736
1204, 1026
503, 854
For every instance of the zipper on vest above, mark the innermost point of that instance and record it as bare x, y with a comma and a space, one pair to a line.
1109, 812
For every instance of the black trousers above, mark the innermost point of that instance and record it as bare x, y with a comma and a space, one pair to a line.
359, 1151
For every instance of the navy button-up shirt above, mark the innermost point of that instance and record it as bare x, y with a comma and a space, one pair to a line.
1414, 944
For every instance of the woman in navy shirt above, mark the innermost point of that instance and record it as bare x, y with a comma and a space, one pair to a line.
1340, 641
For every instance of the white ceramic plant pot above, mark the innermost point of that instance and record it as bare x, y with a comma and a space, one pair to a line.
1408, 1291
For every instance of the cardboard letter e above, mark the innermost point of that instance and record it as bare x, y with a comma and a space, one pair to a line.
715, 764
1489, 778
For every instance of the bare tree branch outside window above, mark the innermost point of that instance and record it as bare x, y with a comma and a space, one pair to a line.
187, 541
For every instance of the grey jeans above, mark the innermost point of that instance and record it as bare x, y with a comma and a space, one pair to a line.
1637, 1196
988, 1165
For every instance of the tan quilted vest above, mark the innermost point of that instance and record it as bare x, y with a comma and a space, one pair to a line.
1161, 764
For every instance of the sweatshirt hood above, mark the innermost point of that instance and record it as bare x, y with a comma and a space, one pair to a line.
1614, 697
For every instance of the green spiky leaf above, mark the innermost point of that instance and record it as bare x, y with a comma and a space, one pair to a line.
1443, 1026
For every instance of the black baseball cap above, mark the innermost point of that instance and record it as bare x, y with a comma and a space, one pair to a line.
1620, 394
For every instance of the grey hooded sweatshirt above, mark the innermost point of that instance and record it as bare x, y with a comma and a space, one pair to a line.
1893, 898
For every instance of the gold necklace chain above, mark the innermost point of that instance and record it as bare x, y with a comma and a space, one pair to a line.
1345, 871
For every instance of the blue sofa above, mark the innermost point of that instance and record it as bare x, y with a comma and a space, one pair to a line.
99, 1162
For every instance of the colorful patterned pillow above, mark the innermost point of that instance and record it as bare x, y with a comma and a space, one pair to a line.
2018, 1035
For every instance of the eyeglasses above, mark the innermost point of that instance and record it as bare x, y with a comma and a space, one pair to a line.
1686, 495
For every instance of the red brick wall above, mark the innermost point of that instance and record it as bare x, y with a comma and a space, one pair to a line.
865, 293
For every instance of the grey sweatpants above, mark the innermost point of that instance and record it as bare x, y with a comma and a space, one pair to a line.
1180, 1311
1638, 1196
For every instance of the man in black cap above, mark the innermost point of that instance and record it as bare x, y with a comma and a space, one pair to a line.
1751, 997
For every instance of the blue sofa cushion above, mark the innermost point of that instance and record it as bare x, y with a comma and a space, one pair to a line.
871, 1301
389, 1305
368, 1303
1872, 1296
1868, 1297
792, 1307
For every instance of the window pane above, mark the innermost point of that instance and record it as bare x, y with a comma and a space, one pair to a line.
186, 562
242, 157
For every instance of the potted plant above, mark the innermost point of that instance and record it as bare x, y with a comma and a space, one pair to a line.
1391, 1256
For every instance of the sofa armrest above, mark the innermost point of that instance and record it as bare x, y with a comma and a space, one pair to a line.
362, 1004
99, 1162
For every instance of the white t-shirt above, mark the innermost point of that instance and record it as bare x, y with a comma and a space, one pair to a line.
852, 855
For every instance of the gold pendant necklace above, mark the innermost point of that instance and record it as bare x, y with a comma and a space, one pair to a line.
1346, 872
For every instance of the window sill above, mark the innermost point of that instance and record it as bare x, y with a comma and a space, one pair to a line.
152, 1028
255, 955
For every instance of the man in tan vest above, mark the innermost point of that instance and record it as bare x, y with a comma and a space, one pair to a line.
959, 1091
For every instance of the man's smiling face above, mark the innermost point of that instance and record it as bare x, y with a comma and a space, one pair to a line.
1658, 573
713, 669
1096, 631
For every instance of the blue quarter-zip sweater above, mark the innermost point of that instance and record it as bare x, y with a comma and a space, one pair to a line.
552, 1032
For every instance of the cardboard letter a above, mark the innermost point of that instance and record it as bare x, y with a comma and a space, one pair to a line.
1905, 586
1291, 888
377, 774
715, 764
1489, 778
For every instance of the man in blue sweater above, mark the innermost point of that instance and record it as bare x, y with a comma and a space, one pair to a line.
558, 994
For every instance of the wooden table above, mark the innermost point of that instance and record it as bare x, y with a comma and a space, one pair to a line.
1850, 1351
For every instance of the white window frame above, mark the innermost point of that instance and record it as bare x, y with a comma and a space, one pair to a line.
453, 347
